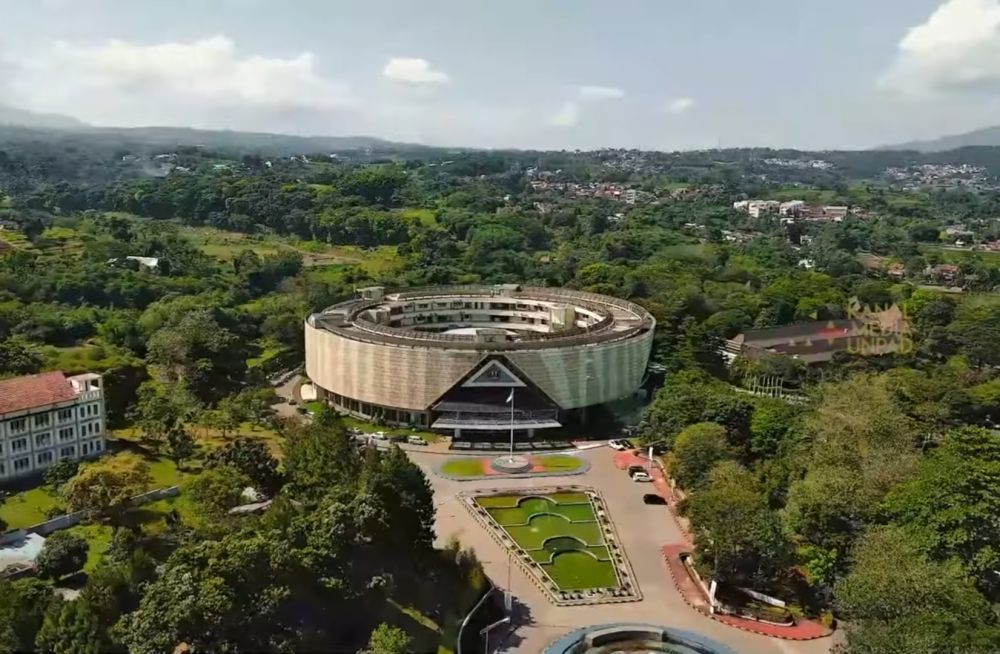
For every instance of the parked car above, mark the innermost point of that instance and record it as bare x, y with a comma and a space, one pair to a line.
415, 440
634, 469
653, 498
380, 436
618, 444
640, 476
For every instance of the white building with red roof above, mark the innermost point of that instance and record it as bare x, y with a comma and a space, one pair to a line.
48, 417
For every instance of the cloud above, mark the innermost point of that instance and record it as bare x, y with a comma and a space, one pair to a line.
205, 82
956, 49
567, 115
599, 93
412, 70
680, 105
569, 112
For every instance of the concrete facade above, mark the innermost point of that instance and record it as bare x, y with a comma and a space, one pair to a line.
403, 351
33, 438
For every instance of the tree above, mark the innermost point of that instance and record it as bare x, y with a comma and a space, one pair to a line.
23, 604
106, 486
60, 473
386, 639
898, 601
696, 451
255, 404
318, 458
63, 554
951, 506
180, 445
251, 457
199, 350
862, 445
218, 489
772, 424
737, 536
244, 592
18, 356
690, 397
70, 628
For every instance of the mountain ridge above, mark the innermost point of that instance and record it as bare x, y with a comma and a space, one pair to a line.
982, 137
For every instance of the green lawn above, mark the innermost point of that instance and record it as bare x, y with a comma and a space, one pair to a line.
98, 537
464, 467
28, 507
558, 531
559, 462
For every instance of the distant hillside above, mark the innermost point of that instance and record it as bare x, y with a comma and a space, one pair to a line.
245, 141
35, 125
987, 136
23, 117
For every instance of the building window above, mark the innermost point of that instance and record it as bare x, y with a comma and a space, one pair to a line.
19, 445
22, 464
43, 440
44, 457
3, 469
67, 451
42, 420
18, 425
65, 414
66, 434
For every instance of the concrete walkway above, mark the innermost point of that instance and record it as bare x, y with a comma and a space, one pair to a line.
643, 531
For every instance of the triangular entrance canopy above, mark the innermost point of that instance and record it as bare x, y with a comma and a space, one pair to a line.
493, 375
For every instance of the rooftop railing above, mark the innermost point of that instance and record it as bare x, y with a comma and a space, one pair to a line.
360, 329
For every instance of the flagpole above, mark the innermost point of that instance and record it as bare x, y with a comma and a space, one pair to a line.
511, 458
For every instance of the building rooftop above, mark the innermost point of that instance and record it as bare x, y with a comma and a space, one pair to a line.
22, 393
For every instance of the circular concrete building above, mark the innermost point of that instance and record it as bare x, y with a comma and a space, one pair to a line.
464, 358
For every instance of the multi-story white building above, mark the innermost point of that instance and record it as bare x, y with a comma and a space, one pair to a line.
48, 417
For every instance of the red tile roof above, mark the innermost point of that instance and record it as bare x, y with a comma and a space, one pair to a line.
22, 393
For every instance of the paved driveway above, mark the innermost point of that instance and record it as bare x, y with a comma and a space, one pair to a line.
642, 529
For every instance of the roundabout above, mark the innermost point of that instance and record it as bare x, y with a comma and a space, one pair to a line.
512, 465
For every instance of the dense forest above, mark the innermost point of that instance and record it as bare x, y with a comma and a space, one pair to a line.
871, 497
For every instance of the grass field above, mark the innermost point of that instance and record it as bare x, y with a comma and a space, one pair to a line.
952, 255
560, 532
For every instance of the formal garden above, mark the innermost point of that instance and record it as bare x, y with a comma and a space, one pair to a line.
564, 538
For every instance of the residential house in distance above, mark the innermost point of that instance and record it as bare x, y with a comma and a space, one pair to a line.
757, 208
896, 271
792, 208
943, 272
48, 417
830, 213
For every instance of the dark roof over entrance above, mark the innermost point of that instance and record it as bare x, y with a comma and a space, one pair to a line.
492, 400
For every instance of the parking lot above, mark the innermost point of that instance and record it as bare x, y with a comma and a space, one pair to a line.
643, 530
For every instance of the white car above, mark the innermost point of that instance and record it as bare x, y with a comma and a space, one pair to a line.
639, 475
415, 440
617, 444
380, 436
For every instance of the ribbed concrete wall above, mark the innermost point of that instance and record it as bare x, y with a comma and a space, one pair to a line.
581, 376
414, 377
389, 375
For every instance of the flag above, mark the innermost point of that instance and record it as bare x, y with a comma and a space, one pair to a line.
510, 398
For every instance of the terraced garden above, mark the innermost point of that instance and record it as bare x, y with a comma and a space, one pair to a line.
561, 533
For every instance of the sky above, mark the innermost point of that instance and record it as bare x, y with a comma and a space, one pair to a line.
547, 74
